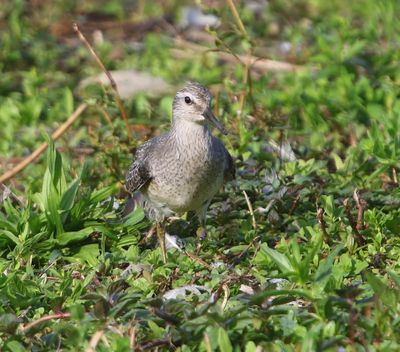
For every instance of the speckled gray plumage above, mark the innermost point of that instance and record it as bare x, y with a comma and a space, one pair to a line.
183, 169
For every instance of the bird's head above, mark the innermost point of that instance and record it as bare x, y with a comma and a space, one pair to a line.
193, 103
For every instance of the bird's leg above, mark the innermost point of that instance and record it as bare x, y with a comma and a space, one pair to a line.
149, 234
161, 240
201, 233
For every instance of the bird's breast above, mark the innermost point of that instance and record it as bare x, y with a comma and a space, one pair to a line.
186, 180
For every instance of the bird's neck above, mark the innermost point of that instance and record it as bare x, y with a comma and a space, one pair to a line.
187, 132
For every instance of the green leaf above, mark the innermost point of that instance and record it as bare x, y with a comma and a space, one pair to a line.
155, 329
338, 161
88, 254
250, 347
9, 323
67, 199
54, 163
68, 101
51, 202
325, 266
395, 277
376, 284
14, 346
280, 259
77, 311
72, 236
223, 341
237, 249
328, 205
134, 217
102, 194
305, 263
260, 297
10, 236
388, 296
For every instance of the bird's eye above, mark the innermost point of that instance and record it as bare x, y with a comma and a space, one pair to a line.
188, 100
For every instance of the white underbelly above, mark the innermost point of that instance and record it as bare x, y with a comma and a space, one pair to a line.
185, 198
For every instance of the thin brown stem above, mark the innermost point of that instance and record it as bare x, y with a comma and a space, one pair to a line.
94, 341
190, 50
235, 14
151, 345
45, 318
246, 63
207, 342
132, 337
198, 260
361, 205
322, 224
31, 158
294, 205
225, 288
114, 86
357, 236
251, 244
394, 174
251, 211
107, 116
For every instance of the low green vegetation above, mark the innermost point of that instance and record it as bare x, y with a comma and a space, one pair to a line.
310, 262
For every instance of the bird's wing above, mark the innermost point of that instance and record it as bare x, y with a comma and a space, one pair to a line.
139, 172
230, 170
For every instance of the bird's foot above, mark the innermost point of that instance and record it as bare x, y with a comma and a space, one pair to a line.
146, 239
201, 234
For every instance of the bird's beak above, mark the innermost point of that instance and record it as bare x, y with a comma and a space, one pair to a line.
209, 116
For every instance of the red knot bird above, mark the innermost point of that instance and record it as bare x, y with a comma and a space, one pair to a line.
183, 169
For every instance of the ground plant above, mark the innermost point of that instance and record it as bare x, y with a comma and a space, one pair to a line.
303, 248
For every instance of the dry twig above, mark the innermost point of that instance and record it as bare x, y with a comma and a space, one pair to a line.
198, 260
207, 342
322, 224
361, 205
109, 76
105, 341
251, 211
31, 158
225, 288
106, 116
236, 16
253, 62
394, 174
294, 205
357, 236
94, 341
151, 345
132, 337
251, 244
45, 318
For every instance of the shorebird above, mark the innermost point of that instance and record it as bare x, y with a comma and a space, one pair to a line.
183, 169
